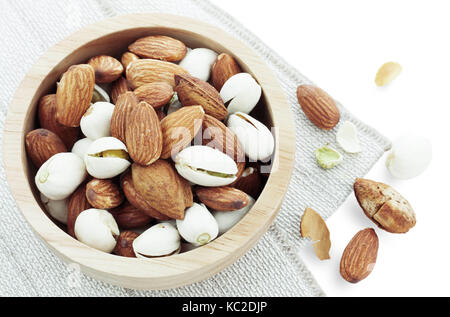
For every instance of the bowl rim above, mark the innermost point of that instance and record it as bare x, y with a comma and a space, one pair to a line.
169, 272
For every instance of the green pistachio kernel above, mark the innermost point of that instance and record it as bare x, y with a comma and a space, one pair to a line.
328, 158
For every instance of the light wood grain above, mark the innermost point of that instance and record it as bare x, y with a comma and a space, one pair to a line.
112, 37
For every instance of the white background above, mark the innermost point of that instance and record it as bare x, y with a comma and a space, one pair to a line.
340, 45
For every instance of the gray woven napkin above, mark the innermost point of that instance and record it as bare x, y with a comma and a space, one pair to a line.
272, 267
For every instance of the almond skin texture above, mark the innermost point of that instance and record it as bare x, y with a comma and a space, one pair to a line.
74, 94
250, 182
384, 206
124, 245
121, 115
360, 256
179, 129
137, 201
223, 69
128, 58
47, 120
146, 71
160, 185
42, 144
129, 217
143, 135
155, 94
103, 194
218, 136
120, 86
222, 198
77, 204
193, 91
318, 106
107, 69
159, 47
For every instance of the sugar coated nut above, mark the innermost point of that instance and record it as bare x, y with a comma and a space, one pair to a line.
160, 240
80, 147
242, 92
96, 122
228, 219
198, 226
198, 62
56, 208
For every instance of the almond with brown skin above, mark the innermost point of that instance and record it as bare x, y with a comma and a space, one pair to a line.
318, 106
129, 217
145, 71
107, 69
179, 129
161, 186
47, 120
223, 69
103, 194
193, 91
120, 86
250, 182
137, 201
222, 198
155, 94
128, 58
77, 204
161, 115
143, 134
159, 47
124, 246
74, 94
42, 144
121, 115
360, 256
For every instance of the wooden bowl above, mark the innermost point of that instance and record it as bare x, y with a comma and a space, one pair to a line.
112, 37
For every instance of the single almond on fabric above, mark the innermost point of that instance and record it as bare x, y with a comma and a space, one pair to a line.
103, 194
218, 136
241, 93
179, 129
74, 94
146, 71
249, 182
223, 69
119, 87
160, 186
360, 256
47, 120
77, 203
121, 116
124, 246
347, 138
222, 198
156, 94
137, 201
129, 217
384, 206
128, 58
314, 227
318, 106
143, 134
193, 91
198, 62
387, 73
42, 144
107, 69
160, 47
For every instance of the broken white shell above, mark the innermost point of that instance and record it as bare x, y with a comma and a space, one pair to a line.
160, 240
80, 147
97, 229
228, 219
205, 166
100, 95
174, 104
198, 62
242, 92
105, 167
96, 122
255, 137
198, 227
347, 138
60, 175
410, 157
56, 208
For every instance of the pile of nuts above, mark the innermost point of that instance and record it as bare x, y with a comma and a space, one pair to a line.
152, 155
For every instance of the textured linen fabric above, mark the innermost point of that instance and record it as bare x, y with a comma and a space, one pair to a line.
272, 267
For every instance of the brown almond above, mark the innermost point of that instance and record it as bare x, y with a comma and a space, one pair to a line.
250, 182
124, 246
129, 217
128, 58
103, 194
222, 198
74, 94
159, 47
360, 256
146, 71
223, 69
318, 106
42, 144
155, 94
161, 114
120, 86
77, 204
107, 69
121, 115
193, 91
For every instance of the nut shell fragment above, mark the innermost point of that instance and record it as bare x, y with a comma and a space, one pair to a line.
314, 227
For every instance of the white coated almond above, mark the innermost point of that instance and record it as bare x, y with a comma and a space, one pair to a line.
228, 219
242, 92
81, 146
58, 209
198, 226
96, 122
198, 62
160, 240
